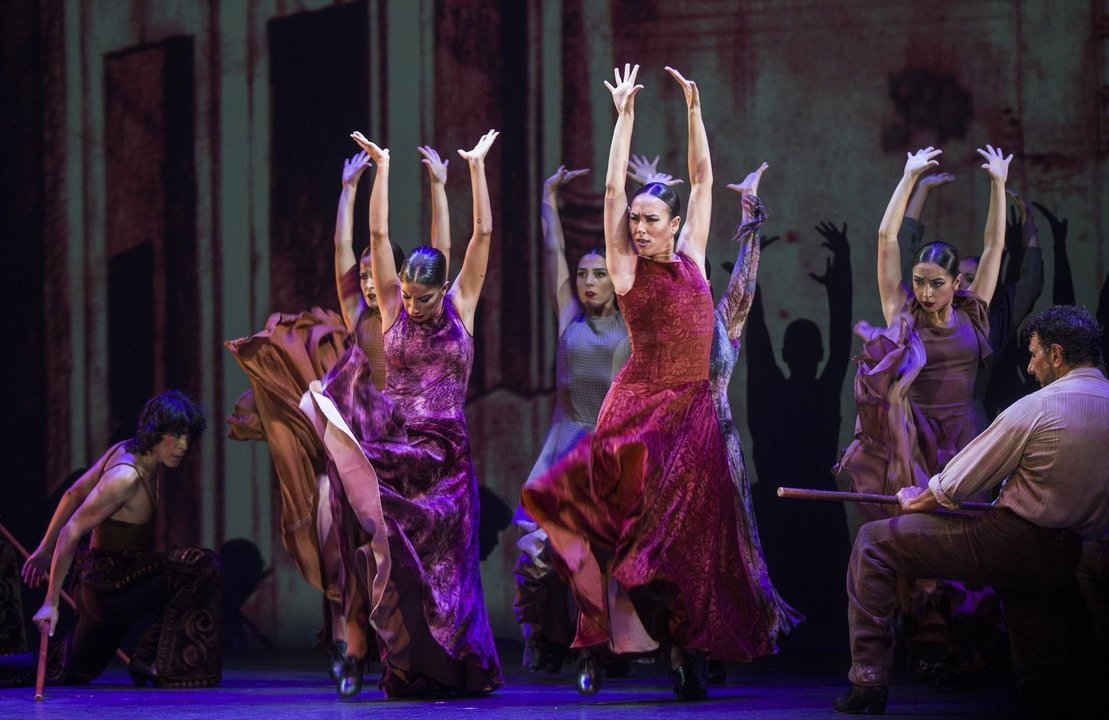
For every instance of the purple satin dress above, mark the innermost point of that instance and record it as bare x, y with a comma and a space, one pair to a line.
410, 474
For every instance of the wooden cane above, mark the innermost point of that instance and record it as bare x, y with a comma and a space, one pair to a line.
124, 658
807, 494
40, 673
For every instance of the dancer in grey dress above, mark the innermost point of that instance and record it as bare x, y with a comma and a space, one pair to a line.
590, 332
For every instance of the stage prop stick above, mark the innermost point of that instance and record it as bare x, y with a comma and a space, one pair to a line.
807, 494
123, 657
40, 673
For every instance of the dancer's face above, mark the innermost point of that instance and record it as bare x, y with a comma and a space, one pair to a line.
1042, 365
366, 281
595, 289
651, 227
171, 449
968, 270
423, 302
934, 287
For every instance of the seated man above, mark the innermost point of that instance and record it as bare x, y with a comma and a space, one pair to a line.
119, 579
1048, 452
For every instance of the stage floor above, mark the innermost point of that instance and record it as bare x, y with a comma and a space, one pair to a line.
798, 683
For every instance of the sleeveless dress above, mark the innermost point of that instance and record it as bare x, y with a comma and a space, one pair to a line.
778, 618
640, 513
583, 371
405, 502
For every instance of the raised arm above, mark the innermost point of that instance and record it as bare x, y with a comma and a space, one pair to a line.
735, 305
989, 265
911, 234
890, 290
1029, 282
346, 263
440, 211
695, 235
105, 499
382, 266
467, 289
555, 270
620, 254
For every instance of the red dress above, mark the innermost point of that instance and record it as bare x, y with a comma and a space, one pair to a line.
640, 513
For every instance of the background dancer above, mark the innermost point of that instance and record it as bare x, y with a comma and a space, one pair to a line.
590, 332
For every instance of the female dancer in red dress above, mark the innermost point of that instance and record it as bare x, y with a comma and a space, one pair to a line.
640, 514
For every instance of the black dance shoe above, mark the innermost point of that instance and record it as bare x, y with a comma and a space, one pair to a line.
862, 699
335, 654
687, 683
589, 677
716, 674
349, 683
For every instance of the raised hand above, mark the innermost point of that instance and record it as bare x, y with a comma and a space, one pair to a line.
625, 89
916, 163
561, 176
996, 165
936, 180
377, 155
354, 167
749, 184
481, 149
643, 171
692, 95
436, 166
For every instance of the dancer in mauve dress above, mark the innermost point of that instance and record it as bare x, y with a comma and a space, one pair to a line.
590, 332
914, 392
403, 491
640, 514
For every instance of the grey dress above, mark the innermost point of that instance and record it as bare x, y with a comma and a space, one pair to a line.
590, 352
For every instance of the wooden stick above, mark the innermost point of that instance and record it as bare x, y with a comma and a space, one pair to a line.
65, 596
40, 673
807, 494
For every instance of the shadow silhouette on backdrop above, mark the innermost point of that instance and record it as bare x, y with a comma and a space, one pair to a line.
794, 424
243, 571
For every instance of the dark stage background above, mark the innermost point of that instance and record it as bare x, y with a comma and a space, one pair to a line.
171, 170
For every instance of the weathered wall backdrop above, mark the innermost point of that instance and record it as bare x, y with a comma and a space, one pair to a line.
171, 170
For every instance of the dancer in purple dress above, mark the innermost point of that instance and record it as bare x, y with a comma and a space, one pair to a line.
291, 352
403, 491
